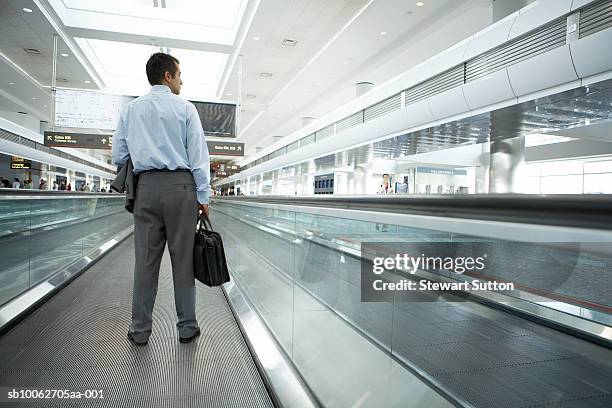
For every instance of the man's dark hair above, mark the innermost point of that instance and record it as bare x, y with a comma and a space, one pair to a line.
158, 64
386, 174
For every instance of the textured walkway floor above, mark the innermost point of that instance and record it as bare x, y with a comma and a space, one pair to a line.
77, 341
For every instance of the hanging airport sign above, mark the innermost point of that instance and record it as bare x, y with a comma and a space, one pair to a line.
225, 148
19, 163
218, 119
88, 109
82, 140
232, 169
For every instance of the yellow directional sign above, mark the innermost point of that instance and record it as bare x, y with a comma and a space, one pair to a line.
19, 163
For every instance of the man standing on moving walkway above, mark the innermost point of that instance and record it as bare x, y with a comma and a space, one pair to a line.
163, 136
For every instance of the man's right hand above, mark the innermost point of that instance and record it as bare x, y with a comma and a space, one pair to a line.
203, 209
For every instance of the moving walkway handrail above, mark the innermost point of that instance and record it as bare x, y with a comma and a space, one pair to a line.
51, 194
582, 211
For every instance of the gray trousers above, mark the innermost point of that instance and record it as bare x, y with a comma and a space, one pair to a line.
165, 210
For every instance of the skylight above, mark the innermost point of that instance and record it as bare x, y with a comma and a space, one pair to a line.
122, 67
225, 14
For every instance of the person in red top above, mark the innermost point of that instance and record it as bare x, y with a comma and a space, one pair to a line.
69, 187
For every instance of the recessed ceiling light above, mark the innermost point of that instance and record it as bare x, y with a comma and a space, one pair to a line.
345, 62
420, 4
256, 38
27, 10
44, 106
265, 75
383, 33
64, 54
11, 83
288, 42
228, 94
88, 82
33, 98
32, 51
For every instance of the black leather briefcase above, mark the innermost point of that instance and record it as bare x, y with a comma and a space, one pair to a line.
209, 257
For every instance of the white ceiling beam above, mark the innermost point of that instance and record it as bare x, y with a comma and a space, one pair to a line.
250, 12
81, 32
56, 22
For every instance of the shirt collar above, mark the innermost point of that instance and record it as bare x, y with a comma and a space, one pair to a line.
160, 88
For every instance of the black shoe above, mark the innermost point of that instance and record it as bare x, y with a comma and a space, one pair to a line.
138, 343
190, 338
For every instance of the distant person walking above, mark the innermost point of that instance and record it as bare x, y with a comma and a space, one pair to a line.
162, 135
16, 183
385, 186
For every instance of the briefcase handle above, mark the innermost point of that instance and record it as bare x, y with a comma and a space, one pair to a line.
202, 220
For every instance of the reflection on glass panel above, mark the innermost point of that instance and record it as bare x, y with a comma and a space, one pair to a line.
598, 183
314, 306
570, 184
39, 237
263, 267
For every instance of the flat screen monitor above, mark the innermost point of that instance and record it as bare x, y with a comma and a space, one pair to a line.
218, 119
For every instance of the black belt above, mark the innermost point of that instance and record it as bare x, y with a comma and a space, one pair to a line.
166, 171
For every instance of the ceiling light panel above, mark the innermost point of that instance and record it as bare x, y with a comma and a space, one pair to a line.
224, 13
122, 66
210, 21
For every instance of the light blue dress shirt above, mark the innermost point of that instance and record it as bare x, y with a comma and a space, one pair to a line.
161, 130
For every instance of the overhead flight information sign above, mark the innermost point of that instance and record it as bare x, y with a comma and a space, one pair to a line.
225, 148
83, 140
79, 108
218, 119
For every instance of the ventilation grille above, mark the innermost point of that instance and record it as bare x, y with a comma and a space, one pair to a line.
325, 132
278, 153
553, 35
595, 18
443, 82
306, 140
293, 146
20, 140
9, 136
383, 107
542, 40
349, 122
